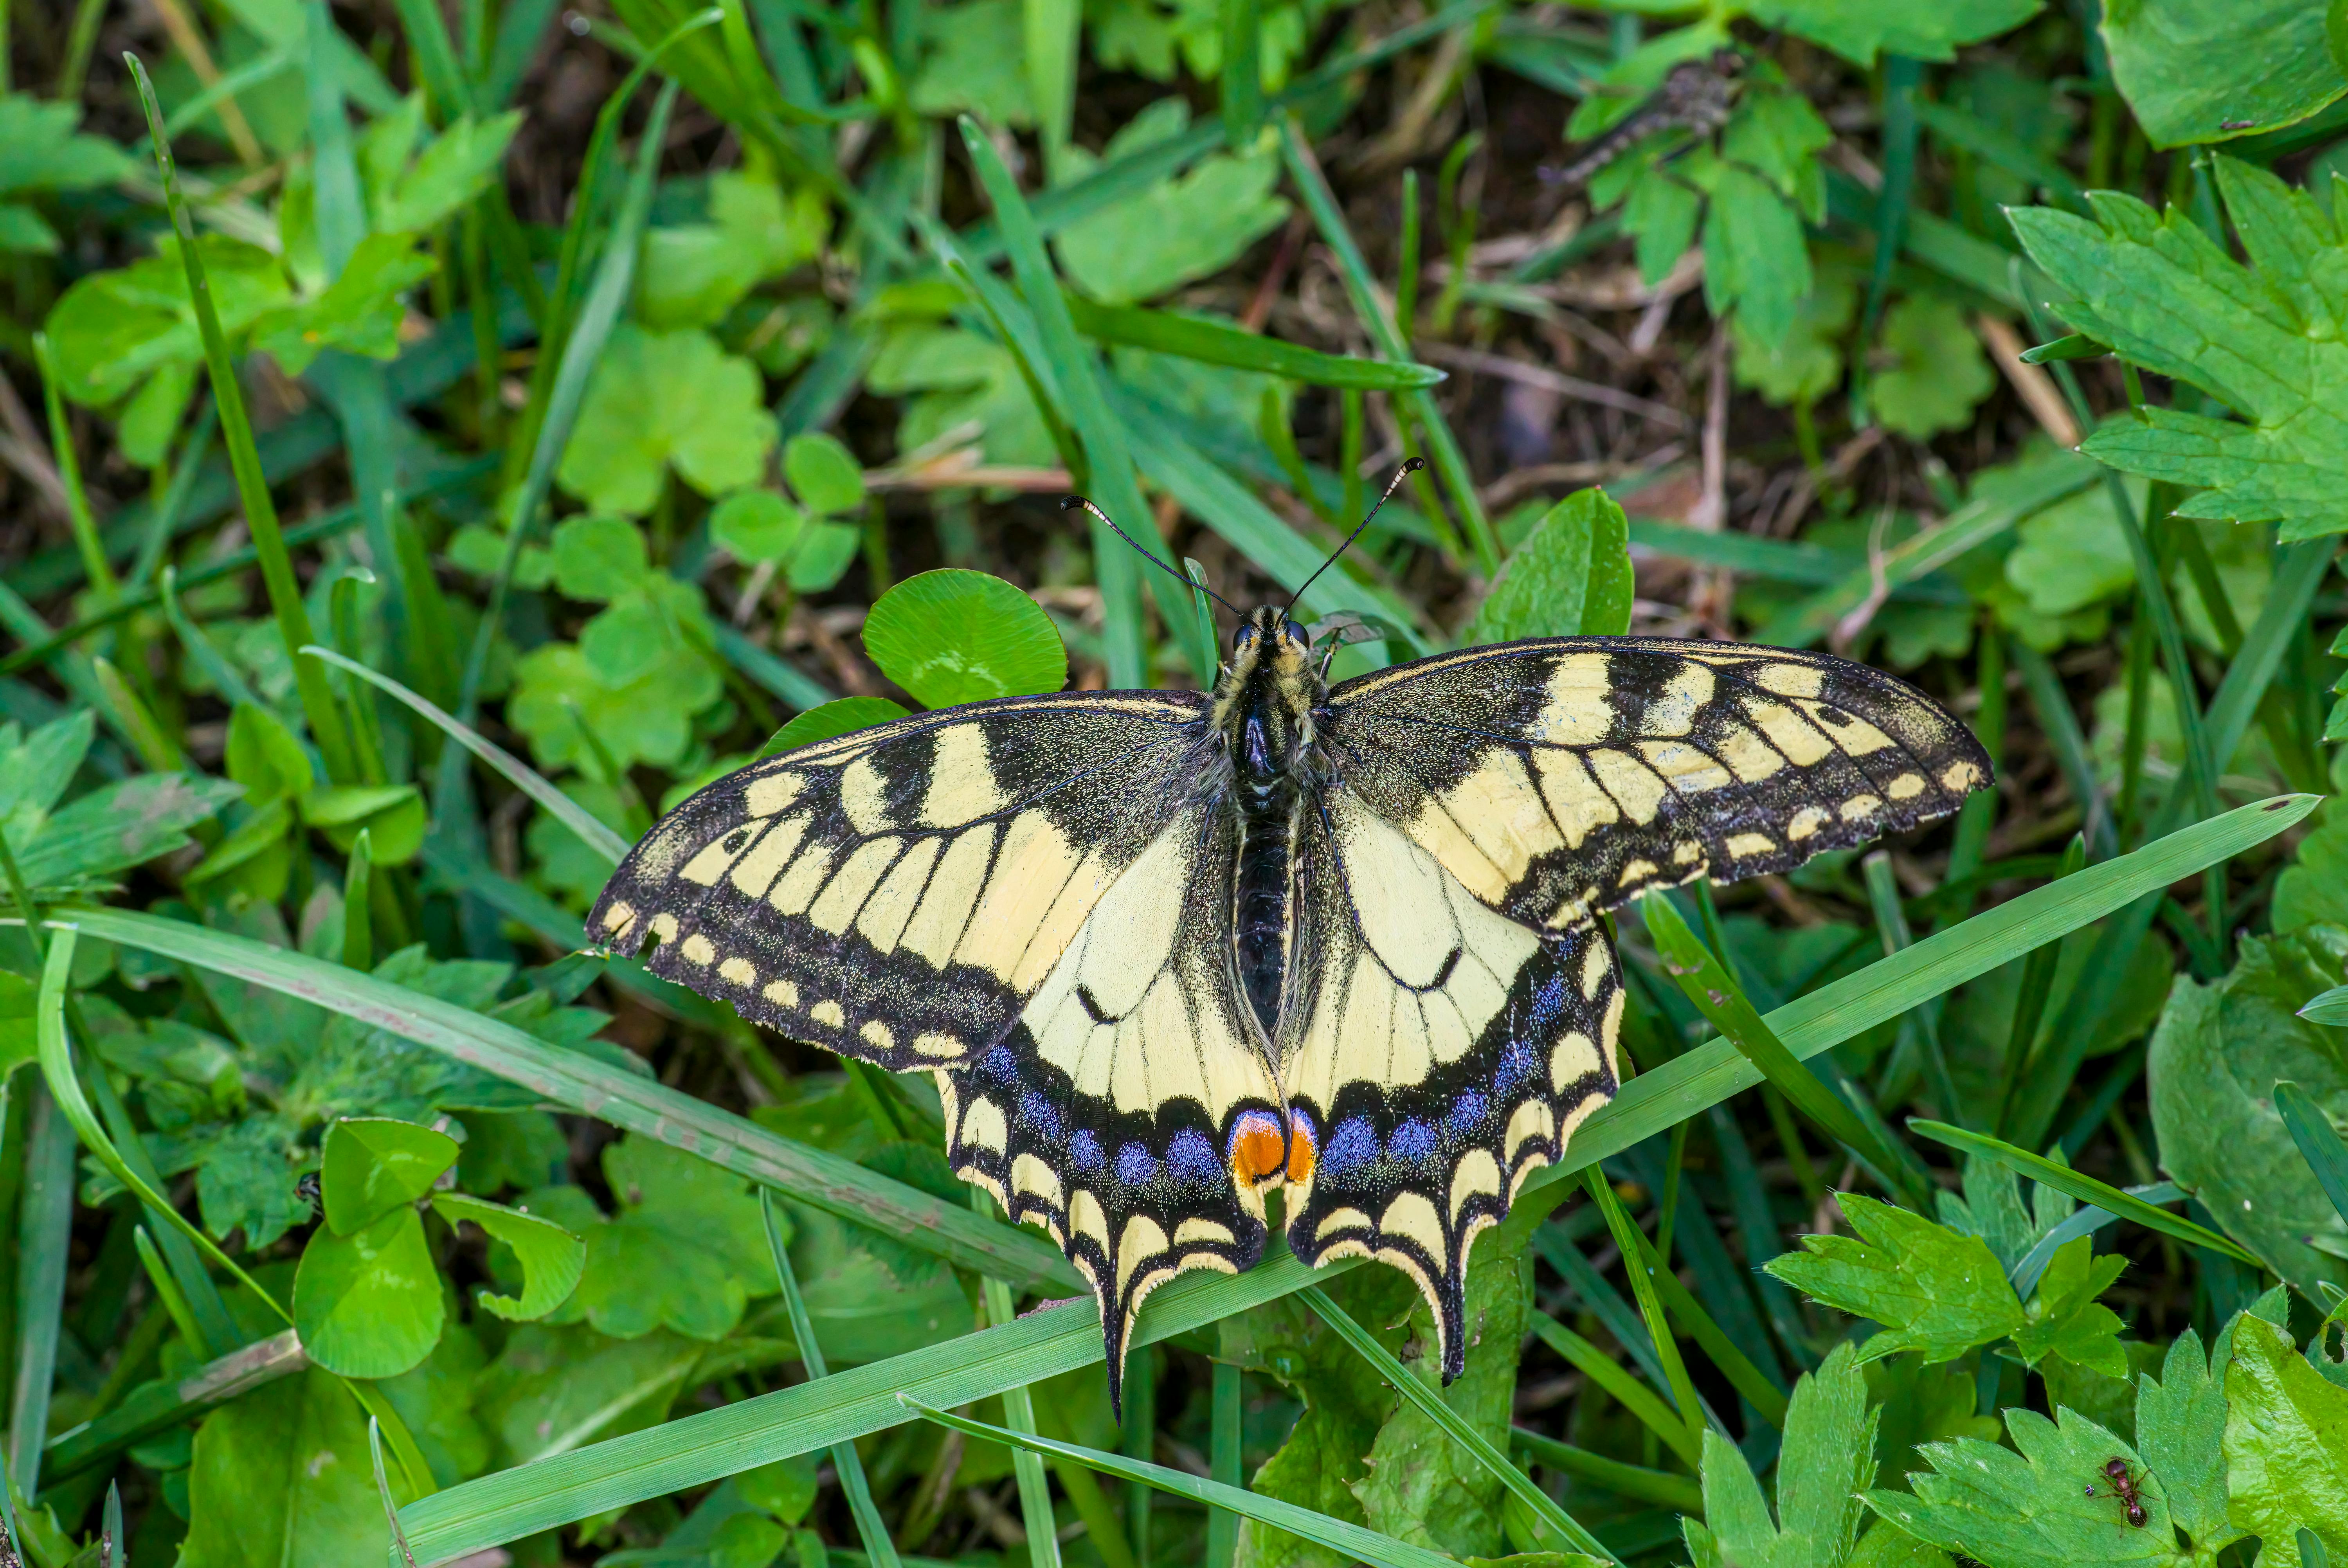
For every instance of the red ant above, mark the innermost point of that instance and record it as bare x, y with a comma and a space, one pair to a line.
2125, 1488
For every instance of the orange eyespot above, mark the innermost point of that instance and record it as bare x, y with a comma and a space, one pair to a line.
1257, 1149
1300, 1148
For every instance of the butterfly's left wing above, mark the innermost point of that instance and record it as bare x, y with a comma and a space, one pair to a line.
1435, 1053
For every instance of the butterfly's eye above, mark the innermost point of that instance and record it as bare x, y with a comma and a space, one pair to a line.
1244, 639
1295, 634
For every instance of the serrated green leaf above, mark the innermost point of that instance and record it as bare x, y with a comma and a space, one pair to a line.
2313, 889
2286, 1445
1937, 374
2065, 1317
1932, 1289
1572, 576
1828, 1456
691, 274
664, 399
2180, 1429
2264, 340
372, 1165
1199, 222
1757, 261
2034, 1508
952, 636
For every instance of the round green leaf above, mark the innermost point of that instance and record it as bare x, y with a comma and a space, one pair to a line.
824, 474
756, 525
598, 558
373, 1165
825, 553
393, 813
953, 636
368, 1305
551, 1257
822, 722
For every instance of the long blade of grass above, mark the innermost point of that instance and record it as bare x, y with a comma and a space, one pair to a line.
1361, 287
2327, 1007
1226, 1416
236, 433
512, 768
159, 1407
2084, 1188
1354, 1542
592, 1087
1212, 343
1635, 1481
1722, 1001
1645, 1405
43, 1238
2319, 1145
1107, 456
1766, 1397
878, 1549
1019, 1416
1627, 1238
2032, 1265
704, 1447
1431, 1405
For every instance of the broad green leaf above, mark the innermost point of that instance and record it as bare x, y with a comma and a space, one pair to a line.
823, 473
686, 1250
370, 1166
1827, 1457
280, 1480
843, 715
370, 1305
1937, 373
756, 525
2065, 1319
392, 815
1572, 576
111, 330
2180, 1429
691, 274
2072, 554
1803, 364
824, 556
2313, 888
2216, 1058
1199, 222
973, 60
264, 757
1858, 29
1755, 259
2264, 340
953, 636
120, 825
2046, 1506
41, 150
598, 559
664, 399
2210, 70
552, 1389
1932, 1289
2286, 1445
552, 1258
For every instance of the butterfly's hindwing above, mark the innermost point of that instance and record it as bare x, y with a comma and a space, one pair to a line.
1116, 1107
1437, 1053
1559, 779
897, 893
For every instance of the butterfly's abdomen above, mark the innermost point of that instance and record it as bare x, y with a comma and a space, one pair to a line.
1264, 887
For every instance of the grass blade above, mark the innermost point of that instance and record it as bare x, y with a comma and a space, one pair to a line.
44, 1236
1651, 1310
1107, 456
592, 1087
2084, 1188
159, 1407
1212, 343
1637, 1481
2032, 1265
1442, 448
383, 1491
2327, 1007
2322, 1148
512, 768
702, 1447
1722, 1002
1764, 1397
1431, 1404
1627, 1391
1019, 1416
878, 1549
236, 434
1351, 1542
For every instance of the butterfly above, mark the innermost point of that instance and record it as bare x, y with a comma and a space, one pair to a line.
1166, 951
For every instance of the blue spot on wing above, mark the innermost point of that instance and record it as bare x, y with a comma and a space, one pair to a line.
1193, 1158
1353, 1144
1466, 1113
1136, 1165
1084, 1150
1414, 1139
1039, 1114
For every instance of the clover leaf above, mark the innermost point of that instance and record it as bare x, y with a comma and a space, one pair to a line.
841, 716
40, 151
1937, 371
371, 1166
552, 1258
368, 1305
824, 474
691, 274
952, 636
1932, 1289
598, 559
659, 400
756, 525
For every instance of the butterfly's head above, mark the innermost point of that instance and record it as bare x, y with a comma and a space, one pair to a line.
1265, 697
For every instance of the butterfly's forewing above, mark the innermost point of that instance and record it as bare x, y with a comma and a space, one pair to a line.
1436, 1053
1024, 897
1560, 777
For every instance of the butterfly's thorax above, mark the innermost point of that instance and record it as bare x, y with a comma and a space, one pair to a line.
1264, 701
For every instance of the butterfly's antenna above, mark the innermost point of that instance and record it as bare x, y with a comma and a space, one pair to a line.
1393, 485
1071, 503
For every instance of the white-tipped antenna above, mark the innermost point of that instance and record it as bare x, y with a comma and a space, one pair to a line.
1071, 503
1393, 484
